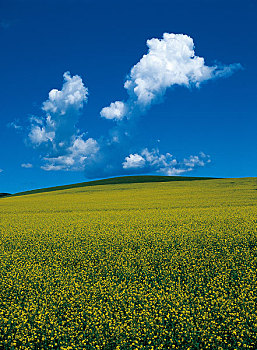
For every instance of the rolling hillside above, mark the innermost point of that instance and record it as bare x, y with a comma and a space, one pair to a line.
116, 180
4, 194
139, 265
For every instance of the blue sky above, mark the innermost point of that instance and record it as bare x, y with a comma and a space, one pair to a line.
177, 115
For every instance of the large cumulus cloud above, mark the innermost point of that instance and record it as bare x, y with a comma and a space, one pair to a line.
170, 61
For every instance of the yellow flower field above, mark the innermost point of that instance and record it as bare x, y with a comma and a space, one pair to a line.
131, 266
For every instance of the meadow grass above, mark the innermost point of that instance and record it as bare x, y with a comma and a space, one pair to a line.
131, 266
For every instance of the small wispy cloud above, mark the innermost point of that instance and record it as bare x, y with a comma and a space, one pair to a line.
1, 170
15, 125
26, 165
155, 162
170, 61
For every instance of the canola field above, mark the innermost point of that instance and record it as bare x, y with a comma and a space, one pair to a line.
131, 266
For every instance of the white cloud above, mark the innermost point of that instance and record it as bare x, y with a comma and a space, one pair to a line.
72, 96
169, 61
26, 165
75, 156
35, 120
39, 135
155, 162
193, 161
155, 159
172, 171
116, 110
134, 161
51, 167
81, 147
62, 145
1, 170
62, 112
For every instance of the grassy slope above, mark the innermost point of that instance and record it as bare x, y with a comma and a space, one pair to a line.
161, 265
116, 180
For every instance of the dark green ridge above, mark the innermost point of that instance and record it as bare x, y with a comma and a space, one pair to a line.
4, 194
115, 180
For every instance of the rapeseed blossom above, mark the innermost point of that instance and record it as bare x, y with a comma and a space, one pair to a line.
130, 266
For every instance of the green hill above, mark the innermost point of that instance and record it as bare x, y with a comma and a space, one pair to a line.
115, 180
